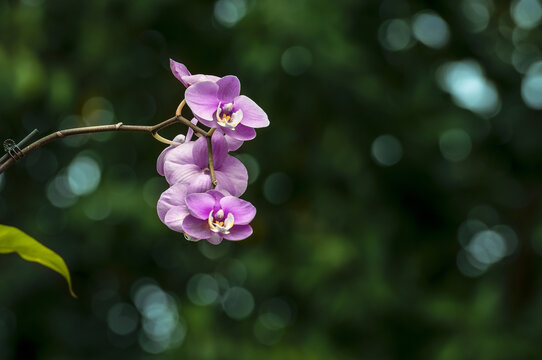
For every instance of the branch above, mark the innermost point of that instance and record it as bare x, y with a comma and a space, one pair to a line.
153, 130
214, 182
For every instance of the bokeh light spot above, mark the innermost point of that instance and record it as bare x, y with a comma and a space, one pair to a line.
430, 29
238, 303
455, 145
531, 86
229, 12
202, 289
122, 319
386, 150
252, 165
161, 328
526, 13
487, 247
83, 175
469, 88
478, 13
59, 192
394, 35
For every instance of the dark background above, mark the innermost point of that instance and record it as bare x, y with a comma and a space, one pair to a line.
398, 186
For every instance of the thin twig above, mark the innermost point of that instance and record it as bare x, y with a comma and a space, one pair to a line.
208, 136
102, 128
21, 143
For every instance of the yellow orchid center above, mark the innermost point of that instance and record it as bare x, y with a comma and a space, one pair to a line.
219, 224
226, 117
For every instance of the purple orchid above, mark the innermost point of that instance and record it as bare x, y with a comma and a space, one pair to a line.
189, 206
185, 77
188, 163
218, 104
214, 216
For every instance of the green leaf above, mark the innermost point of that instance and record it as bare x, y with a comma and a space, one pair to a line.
14, 240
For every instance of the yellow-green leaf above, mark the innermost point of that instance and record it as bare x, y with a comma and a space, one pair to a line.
14, 240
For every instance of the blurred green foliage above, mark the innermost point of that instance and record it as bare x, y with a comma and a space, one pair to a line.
398, 186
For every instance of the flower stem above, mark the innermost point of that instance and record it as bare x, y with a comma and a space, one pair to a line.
208, 136
104, 128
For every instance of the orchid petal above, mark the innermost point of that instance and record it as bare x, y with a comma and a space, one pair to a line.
224, 183
243, 211
241, 132
229, 88
200, 155
174, 218
162, 157
196, 228
220, 151
202, 99
233, 144
190, 132
193, 79
180, 154
235, 172
184, 173
253, 115
198, 183
179, 71
200, 205
237, 232
172, 197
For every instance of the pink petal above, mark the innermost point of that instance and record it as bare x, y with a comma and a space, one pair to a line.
241, 132
176, 173
190, 132
193, 79
253, 115
217, 194
233, 144
197, 228
172, 197
202, 99
200, 155
234, 170
242, 210
229, 88
200, 205
199, 183
208, 123
174, 218
179, 71
220, 151
180, 154
237, 232
162, 157
224, 183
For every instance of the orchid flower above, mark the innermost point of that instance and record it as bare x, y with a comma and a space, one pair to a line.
188, 163
214, 216
218, 104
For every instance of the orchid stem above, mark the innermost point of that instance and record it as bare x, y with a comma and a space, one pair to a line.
153, 130
208, 136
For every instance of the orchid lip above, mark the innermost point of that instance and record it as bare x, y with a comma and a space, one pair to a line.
226, 118
219, 226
